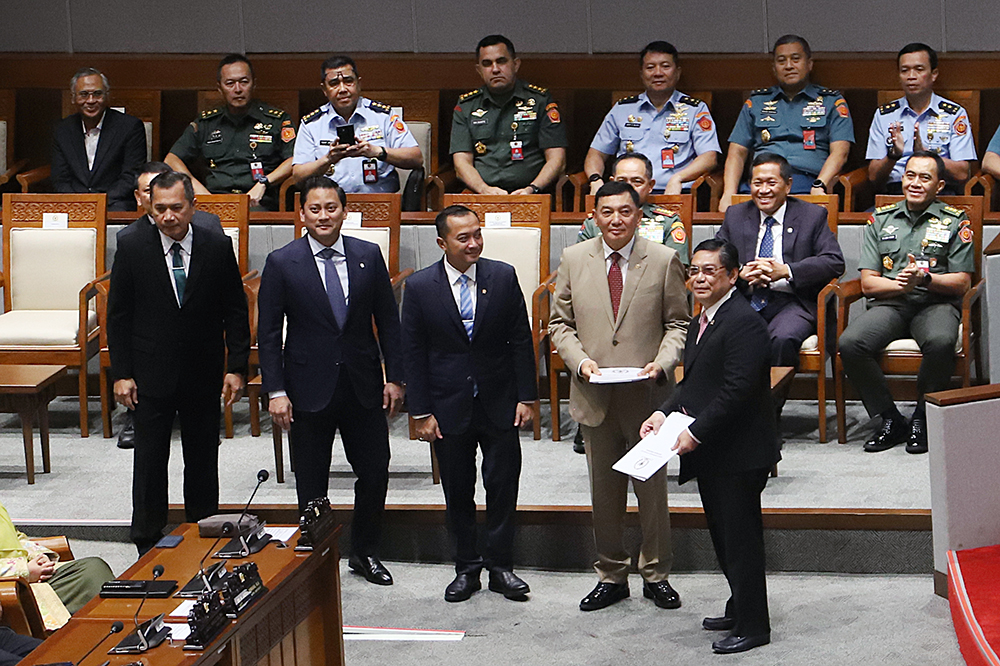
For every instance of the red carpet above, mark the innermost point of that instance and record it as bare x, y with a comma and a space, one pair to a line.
974, 596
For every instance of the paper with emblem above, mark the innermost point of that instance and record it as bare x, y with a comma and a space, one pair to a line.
654, 450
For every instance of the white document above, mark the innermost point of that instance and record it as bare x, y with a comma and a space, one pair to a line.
653, 452
282, 533
178, 631
353, 220
618, 376
55, 221
497, 220
182, 609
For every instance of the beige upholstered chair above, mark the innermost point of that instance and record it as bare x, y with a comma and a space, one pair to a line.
20, 610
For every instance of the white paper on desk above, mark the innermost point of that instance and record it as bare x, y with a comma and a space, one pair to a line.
497, 220
178, 631
352, 220
282, 533
618, 376
182, 610
653, 452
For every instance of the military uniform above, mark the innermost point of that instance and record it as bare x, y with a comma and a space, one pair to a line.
373, 122
670, 137
229, 144
800, 129
944, 129
508, 138
944, 235
659, 224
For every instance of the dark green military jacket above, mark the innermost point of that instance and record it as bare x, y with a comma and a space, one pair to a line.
659, 224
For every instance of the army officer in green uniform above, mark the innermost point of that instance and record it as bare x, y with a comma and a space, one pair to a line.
246, 145
506, 137
916, 264
658, 224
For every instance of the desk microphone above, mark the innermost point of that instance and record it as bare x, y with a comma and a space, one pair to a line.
227, 530
143, 645
262, 476
116, 627
247, 542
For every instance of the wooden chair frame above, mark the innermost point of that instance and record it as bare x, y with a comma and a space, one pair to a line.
20, 610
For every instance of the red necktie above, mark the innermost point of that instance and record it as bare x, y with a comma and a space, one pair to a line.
702, 325
615, 282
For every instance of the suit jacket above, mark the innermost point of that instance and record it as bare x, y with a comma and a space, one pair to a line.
443, 365
315, 349
651, 324
165, 347
807, 245
121, 151
207, 221
727, 388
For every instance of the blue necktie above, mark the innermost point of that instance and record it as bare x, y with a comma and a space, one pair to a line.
465, 305
180, 279
334, 290
758, 300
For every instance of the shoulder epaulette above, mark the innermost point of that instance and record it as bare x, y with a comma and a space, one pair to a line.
887, 207
538, 89
760, 91
829, 91
888, 108
954, 211
272, 111
380, 107
690, 101
308, 118
469, 95
666, 212
949, 107
211, 112
629, 100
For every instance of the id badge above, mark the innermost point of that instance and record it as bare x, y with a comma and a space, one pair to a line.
257, 171
369, 170
923, 263
667, 158
809, 139
516, 152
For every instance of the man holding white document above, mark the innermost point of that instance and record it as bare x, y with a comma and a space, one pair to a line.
620, 303
732, 443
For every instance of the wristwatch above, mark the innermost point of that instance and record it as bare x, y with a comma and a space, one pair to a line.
594, 177
927, 279
263, 179
383, 155
820, 184
534, 188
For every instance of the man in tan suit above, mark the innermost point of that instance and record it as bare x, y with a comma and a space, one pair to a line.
621, 302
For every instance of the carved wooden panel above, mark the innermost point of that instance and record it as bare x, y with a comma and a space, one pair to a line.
227, 210
372, 211
519, 212
31, 212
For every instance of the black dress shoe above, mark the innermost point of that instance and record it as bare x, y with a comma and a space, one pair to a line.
371, 568
604, 595
893, 432
662, 594
509, 585
917, 442
718, 623
578, 441
733, 644
126, 438
462, 587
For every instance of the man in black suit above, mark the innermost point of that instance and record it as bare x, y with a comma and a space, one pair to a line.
97, 149
179, 335
471, 373
789, 255
732, 443
208, 221
327, 376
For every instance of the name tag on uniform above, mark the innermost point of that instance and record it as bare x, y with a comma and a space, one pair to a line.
635, 125
325, 142
261, 138
481, 121
809, 139
214, 137
370, 133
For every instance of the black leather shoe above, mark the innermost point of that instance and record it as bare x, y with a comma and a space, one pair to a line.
371, 568
126, 438
917, 442
604, 595
509, 585
733, 644
893, 432
718, 623
662, 594
462, 587
578, 441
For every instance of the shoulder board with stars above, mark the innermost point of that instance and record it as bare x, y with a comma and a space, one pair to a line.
829, 91
379, 107
666, 212
888, 108
308, 118
538, 89
885, 208
631, 99
690, 101
272, 111
949, 107
760, 91
954, 211
469, 95
211, 112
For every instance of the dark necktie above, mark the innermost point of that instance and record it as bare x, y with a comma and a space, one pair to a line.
758, 300
615, 283
334, 289
180, 279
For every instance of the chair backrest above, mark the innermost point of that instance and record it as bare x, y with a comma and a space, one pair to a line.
143, 104
286, 100
969, 99
380, 218
828, 201
521, 247
418, 105
46, 267
234, 213
422, 133
973, 207
6, 129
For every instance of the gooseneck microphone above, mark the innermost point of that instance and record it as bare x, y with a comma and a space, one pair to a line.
116, 627
227, 530
262, 476
143, 644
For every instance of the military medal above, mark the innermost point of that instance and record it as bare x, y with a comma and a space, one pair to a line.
513, 125
211, 164
629, 146
480, 148
887, 262
765, 136
259, 126
531, 102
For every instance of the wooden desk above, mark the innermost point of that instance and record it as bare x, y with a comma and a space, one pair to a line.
26, 390
297, 623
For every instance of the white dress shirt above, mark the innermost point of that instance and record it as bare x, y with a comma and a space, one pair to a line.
167, 242
454, 279
625, 253
339, 262
91, 139
777, 232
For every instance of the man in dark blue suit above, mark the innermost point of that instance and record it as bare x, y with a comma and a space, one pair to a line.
732, 443
329, 375
471, 372
789, 255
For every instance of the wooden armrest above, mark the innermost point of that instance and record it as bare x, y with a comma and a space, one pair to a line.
90, 291
847, 293
988, 183
578, 184
58, 544
283, 193
399, 278
20, 612
855, 183
3, 280
973, 295
14, 169
33, 177
714, 182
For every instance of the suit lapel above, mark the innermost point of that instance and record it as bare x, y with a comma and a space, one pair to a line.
447, 297
104, 141
483, 298
356, 272
636, 268
748, 250
312, 283
80, 149
198, 260
713, 326
791, 230
158, 263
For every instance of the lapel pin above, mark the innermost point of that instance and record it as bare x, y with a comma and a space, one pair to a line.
362, 264
484, 291
788, 230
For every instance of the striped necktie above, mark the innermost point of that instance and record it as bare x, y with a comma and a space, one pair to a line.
758, 300
465, 305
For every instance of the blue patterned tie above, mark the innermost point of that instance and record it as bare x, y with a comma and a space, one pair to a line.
334, 289
180, 278
758, 300
465, 305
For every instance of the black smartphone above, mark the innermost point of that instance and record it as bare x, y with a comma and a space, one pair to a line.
345, 134
170, 541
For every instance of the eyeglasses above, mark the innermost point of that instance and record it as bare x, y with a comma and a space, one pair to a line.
87, 94
708, 270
